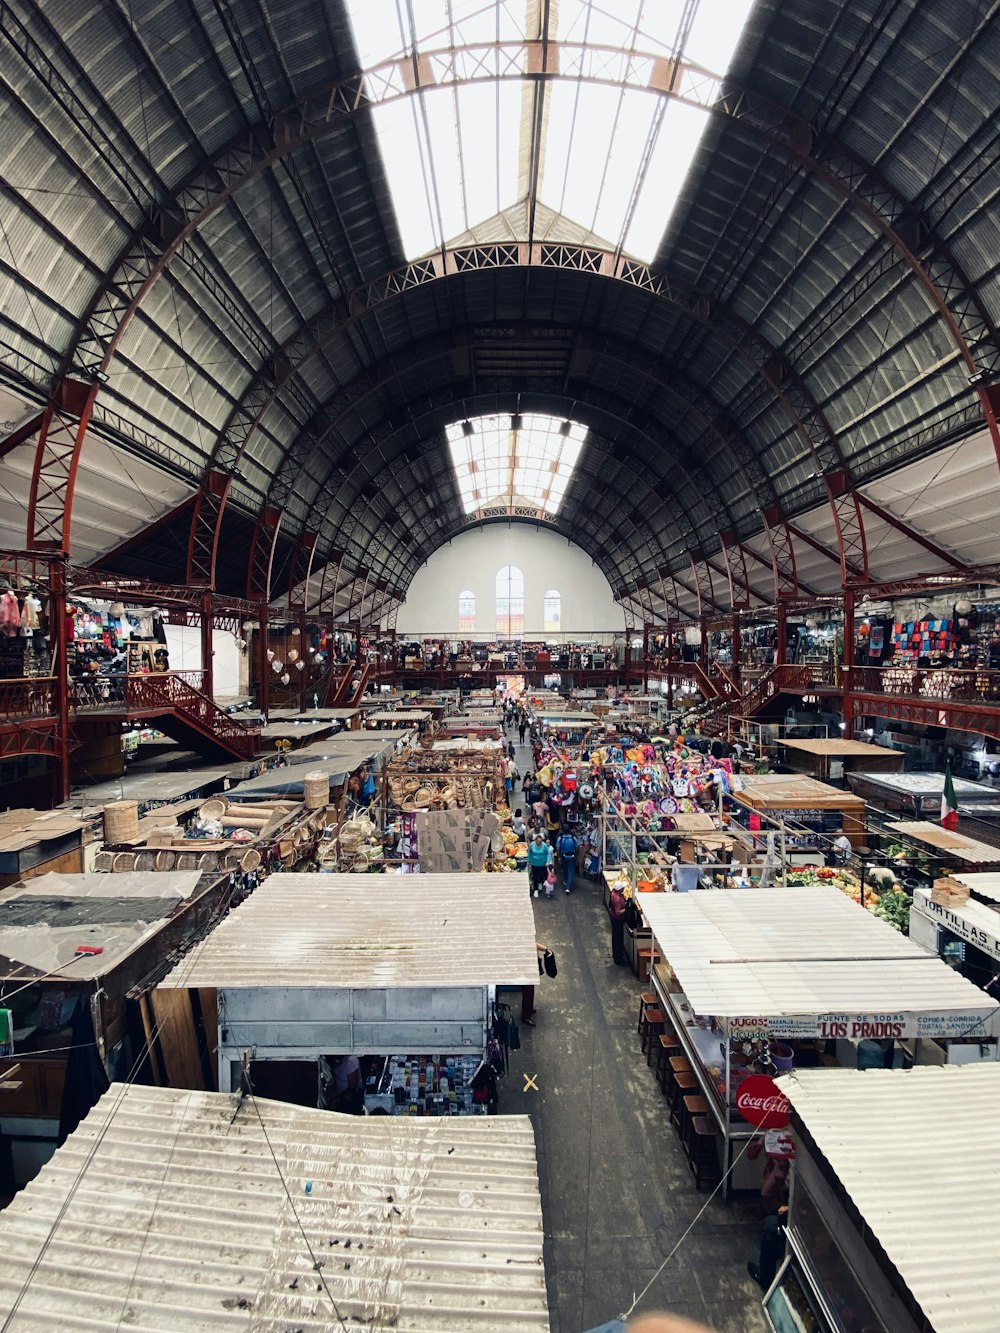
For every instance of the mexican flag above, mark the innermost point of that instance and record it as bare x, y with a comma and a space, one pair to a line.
949, 805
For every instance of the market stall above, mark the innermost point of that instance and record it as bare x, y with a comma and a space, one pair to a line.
916, 795
77, 954
768, 978
395, 718
311, 967
948, 848
831, 758
277, 1216
959, 920
808, 811
885, 1235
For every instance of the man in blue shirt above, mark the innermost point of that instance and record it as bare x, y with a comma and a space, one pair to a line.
567, 847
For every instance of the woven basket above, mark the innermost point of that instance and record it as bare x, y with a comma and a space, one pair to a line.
121, 821
165, 860
410, 785
123, 862
250, 859
316, 790
351, 838
145, 861
208, 861
422, 798
186, 861
213, 809
104, 860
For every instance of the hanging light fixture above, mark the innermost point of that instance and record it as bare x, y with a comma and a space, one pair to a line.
248, 625
270, 654
285, 678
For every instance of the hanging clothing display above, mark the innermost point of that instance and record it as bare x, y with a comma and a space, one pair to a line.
10, 614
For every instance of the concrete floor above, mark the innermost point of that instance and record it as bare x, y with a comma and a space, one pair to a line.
617, 1193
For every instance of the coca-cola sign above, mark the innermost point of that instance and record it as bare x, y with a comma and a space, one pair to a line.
759, 1101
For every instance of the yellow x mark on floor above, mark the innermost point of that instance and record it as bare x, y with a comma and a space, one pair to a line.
529, 1083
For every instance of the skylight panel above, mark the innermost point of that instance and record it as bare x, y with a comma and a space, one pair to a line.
614, 160
494, 461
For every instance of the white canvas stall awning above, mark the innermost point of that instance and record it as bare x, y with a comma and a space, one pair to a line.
929, 1211
188, 1211
810, 962
365, 932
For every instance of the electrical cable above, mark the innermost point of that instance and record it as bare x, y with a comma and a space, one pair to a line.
688, 1229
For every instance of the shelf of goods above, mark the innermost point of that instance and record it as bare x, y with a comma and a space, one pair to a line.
425, 1085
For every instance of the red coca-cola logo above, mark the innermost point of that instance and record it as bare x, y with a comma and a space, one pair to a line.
759, 1101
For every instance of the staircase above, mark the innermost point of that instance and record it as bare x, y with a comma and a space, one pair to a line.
772, 684
190, 717
352, 695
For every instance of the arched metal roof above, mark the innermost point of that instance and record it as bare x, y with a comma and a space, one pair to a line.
203, 287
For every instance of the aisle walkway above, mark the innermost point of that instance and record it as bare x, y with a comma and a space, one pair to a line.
617, 1193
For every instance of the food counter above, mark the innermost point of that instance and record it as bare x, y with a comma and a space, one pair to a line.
815, 807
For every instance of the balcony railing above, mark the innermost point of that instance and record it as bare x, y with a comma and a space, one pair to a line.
26, 697
940, 684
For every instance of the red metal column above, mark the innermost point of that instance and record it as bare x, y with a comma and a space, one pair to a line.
645, 658
779, 537
737, 648
302, 658
781, 650
846, 706
849, 525
207, 648
60, 688
57, 457
264, 667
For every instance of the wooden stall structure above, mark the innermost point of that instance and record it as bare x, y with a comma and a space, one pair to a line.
830, 758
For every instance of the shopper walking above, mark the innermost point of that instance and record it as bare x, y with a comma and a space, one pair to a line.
539, 861
522, 730
568, 847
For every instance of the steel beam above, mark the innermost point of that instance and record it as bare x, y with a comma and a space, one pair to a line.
152, 247
261, 558
820, 549
849, 525
913, 535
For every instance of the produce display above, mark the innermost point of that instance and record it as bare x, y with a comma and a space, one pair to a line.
884, 897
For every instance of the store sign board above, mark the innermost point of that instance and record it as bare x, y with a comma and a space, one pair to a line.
857, 1027
959, 925
759, 1101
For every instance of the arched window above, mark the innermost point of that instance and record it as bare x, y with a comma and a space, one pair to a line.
552, 612
510, 602
466, 611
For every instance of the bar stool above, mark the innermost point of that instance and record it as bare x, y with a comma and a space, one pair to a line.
645, 961
702, 1153
655, 1019
669, 1046
647, 1000
691, 1105
677, 1064
682, 1084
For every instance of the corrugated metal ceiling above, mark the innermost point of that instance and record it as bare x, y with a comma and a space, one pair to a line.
788, 294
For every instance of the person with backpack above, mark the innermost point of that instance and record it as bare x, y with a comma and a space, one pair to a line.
567, 846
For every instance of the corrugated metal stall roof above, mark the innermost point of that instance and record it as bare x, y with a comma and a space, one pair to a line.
360, 931
189, 1211
44, 920
779, 952
929, 1210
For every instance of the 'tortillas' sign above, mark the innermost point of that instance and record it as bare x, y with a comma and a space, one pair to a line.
759, 1101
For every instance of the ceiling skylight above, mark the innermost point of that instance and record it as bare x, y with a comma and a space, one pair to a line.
528, 458
612, 160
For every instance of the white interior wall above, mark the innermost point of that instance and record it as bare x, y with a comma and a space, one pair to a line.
184, 648
472, 562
